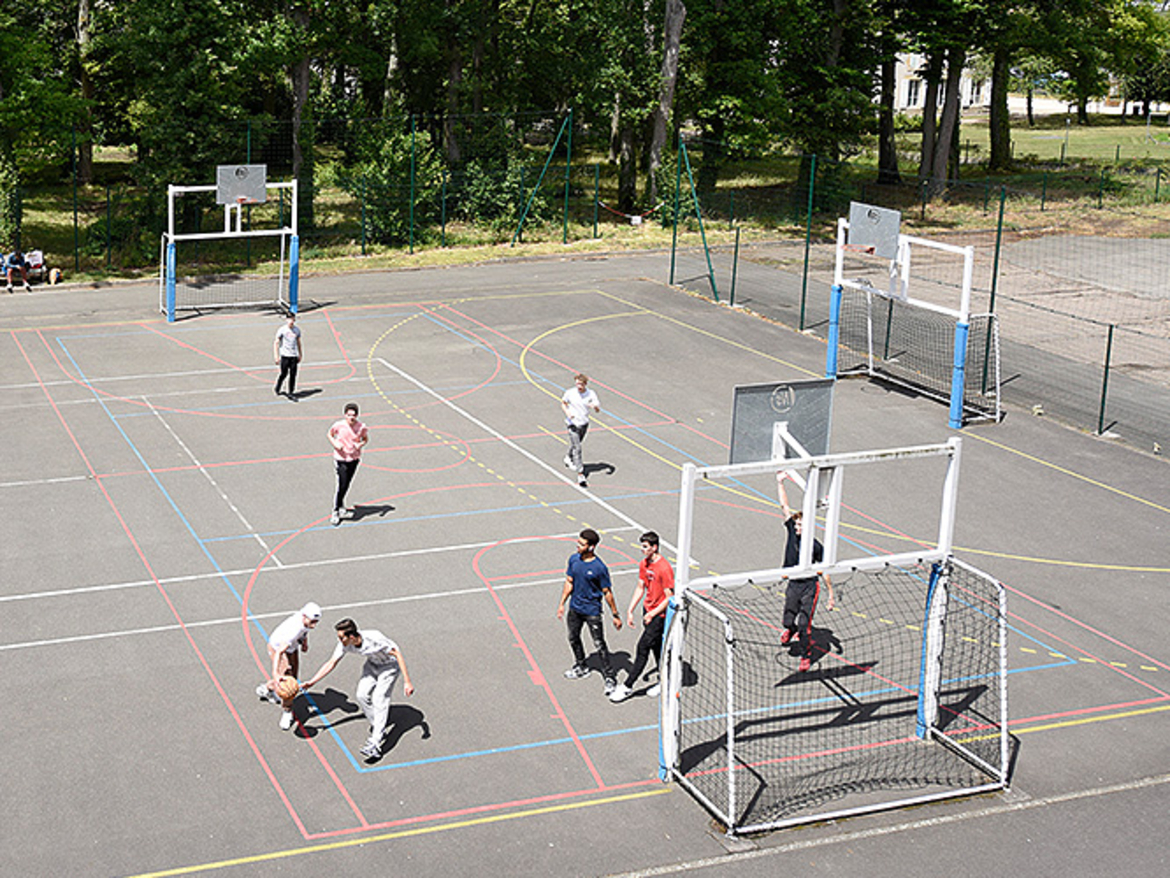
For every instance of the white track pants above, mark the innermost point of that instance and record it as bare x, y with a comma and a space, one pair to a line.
373, 694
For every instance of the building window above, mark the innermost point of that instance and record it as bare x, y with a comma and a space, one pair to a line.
912, 93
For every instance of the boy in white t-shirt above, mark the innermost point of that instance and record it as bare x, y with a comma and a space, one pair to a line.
288, 640
383, 663
576, 403
286, 353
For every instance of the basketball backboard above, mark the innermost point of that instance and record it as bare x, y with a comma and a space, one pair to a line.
876, 227
241, 184
806, 407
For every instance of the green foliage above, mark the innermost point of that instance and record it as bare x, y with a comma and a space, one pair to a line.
381, 179
9, 204
498, 199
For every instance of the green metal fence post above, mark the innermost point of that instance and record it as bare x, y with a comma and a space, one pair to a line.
731, 210
1044, 190
1157, 183
734, 269
412, 166
1105, 380
986, 192
596, 195
568, 167
677, 190
925, 191
109, 220
812, 184
994, 283
363, 206
702, 229
443, 212
1101, 189
76, 230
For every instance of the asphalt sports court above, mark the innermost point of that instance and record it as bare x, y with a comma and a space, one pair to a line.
164, 510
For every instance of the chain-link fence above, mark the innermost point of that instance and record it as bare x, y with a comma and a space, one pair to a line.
1075, 260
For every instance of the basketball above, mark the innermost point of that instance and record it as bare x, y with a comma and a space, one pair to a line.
287, 688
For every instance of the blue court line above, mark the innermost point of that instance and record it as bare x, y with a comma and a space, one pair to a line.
381, 522
471, 754
158, 484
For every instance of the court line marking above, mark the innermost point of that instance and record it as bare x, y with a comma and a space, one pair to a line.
1071, 473
405, 833
250, 531
138, 550
728, 859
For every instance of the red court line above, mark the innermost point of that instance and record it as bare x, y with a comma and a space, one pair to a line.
162, 591
244, 614
423, 309
534, 672
201, 352
485, 809
1085, 711
567, 368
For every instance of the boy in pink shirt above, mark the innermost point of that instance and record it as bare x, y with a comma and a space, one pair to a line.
348, 437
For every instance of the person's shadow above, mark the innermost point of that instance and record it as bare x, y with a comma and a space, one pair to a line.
588, 469
323, 704
403, 718
360, 512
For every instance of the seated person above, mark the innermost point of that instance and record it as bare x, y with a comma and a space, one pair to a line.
15, 263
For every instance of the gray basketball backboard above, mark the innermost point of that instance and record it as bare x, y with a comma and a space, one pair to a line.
806, 406
876, 227
241, 184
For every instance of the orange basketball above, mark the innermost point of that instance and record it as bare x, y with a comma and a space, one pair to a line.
287, 688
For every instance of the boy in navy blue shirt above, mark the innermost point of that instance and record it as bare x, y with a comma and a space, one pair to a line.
586, 584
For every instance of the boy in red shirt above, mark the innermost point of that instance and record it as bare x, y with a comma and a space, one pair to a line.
655, 587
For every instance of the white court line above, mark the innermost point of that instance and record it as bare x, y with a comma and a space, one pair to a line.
152, 376
218, 575
158, 629
31, 483
726, 861
556, 473
211, 479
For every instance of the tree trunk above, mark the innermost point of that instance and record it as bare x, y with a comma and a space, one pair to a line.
932, 77
888, 174
676, 13
627, 169
391, 74
302, 158
1031, 115
85, 142
615, 129
949, 120
1000, 121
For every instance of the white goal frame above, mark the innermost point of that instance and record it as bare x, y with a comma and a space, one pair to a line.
899, 289
233, 228
822, 480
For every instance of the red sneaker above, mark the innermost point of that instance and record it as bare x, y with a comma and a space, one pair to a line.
805, 664
785, 636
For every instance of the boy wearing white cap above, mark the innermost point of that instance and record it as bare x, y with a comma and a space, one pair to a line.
287, 642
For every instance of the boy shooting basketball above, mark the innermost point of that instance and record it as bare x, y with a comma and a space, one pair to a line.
800, 598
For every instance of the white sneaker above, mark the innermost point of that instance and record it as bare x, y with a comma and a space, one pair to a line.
286, 720
27, 288
372, 750
620, 693
335, 518
654, 691
266, 694
568, 460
